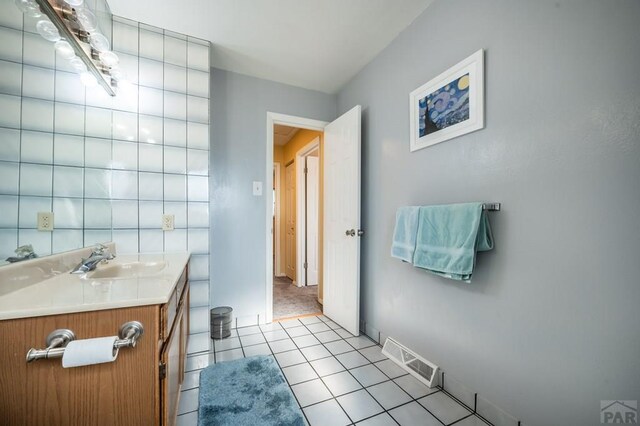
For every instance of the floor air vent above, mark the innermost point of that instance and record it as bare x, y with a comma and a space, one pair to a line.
417, 366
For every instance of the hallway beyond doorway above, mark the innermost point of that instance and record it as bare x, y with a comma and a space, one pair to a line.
290, 301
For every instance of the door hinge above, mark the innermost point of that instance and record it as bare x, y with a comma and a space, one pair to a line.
306, 170
163, 371
306, 265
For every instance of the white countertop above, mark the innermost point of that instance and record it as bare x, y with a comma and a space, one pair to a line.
62, 292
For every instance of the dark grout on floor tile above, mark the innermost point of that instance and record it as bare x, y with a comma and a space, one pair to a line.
336, 378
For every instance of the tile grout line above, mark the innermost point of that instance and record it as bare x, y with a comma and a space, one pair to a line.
369, 362
390, 379
316, 373
282, 372
343, 366
354, 378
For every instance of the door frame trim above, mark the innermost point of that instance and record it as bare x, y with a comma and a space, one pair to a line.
286, 120
276, 225
301, 208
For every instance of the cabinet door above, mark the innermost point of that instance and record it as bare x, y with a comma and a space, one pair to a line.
174, 367
184, 331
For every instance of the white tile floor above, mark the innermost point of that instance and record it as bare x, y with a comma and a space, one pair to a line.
337, 379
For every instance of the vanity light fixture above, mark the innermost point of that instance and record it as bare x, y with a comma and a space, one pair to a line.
74, 28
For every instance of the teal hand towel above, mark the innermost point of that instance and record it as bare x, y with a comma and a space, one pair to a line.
405, 232
448, 238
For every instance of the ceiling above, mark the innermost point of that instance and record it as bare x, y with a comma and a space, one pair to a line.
283, 134
314, 44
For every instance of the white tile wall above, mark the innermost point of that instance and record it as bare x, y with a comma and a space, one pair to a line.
37, 82
175, 132
150, 73
37, 115
10, 111
37, 147
11, 47
37, 51
98, 122
151, 44
10, 144
68, 150
179, 211
150, 129
69, 118
11, 82
11, 18
151, 186
107, 167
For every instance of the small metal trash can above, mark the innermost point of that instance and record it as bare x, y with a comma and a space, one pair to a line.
221, 322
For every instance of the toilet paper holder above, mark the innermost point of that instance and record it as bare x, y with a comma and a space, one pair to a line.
56, 341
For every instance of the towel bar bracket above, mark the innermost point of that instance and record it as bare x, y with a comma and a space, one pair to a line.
491, 207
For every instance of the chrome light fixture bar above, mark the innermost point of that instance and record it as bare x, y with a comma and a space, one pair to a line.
65, 18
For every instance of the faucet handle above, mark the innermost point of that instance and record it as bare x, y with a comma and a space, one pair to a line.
99, 249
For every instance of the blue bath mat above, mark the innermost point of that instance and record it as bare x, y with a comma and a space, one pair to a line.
250, 391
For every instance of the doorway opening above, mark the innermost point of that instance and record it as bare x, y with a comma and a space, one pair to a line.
339, 224
297, 221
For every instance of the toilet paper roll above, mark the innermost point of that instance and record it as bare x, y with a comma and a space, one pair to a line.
89, 351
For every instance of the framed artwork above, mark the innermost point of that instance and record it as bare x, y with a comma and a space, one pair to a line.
449, 105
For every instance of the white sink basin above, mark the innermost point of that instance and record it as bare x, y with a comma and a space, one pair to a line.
125, 271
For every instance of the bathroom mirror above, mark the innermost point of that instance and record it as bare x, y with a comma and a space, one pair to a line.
80, 167
42, 101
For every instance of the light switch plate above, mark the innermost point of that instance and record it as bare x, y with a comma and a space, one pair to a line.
257, 188
45, 221
168, 222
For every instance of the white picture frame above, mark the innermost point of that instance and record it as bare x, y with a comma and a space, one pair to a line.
437, 109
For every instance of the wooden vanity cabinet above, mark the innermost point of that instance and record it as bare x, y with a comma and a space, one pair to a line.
141, 387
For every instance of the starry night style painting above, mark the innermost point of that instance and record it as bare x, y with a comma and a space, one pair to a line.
445, 107
449, 105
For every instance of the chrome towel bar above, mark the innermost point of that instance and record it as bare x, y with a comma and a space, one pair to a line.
56, 341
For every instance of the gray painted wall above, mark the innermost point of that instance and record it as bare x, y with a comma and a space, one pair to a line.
549, 326
239, 109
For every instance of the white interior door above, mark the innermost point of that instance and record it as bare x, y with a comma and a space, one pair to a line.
290, 222
341, 267
312, 210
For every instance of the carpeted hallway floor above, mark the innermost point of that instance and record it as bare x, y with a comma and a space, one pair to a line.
290, 301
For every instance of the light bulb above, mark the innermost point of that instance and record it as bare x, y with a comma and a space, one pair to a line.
73, 3
88, 79
47, 30
29, 8
87, 19
99, 42
64, 49
109, 58
77, 64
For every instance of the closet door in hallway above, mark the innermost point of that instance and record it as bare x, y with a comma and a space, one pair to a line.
312, 212
290, 221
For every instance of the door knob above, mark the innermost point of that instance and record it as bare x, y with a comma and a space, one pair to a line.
350, 232
360, 232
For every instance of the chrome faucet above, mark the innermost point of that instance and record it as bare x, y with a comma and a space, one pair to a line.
99, 254
22, 253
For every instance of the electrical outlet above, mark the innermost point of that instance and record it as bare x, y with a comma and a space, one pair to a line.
45, 221
168, 222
